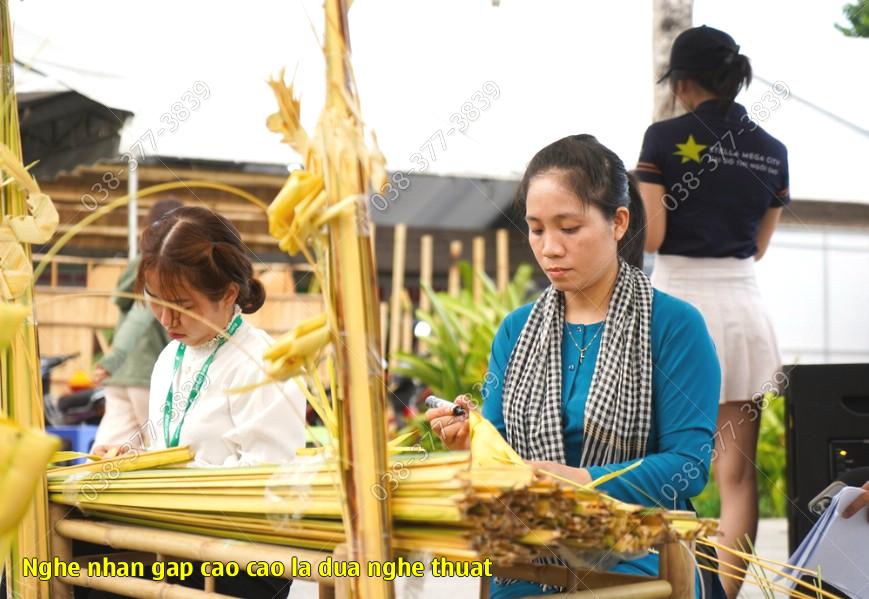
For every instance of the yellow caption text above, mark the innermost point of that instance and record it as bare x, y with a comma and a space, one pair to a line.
292, 568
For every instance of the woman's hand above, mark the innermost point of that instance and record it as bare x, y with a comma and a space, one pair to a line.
577, 475
858, 504
454, 431
110, 451
100, 374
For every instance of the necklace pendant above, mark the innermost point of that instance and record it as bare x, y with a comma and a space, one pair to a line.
581, 355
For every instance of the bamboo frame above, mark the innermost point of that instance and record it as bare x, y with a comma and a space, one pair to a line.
189, 546
361, 393
20, 387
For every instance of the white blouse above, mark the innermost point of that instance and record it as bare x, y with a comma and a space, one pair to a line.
264, 425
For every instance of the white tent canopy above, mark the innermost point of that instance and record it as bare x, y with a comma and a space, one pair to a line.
561, 67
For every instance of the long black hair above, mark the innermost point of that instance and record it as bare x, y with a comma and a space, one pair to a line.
598, 177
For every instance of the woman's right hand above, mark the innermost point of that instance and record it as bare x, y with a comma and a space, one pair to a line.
454, 431
109, 451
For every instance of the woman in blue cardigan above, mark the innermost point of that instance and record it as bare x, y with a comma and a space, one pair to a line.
602, 370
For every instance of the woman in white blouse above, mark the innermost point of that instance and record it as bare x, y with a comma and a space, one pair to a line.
194, 259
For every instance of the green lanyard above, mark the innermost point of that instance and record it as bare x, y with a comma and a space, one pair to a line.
172, 441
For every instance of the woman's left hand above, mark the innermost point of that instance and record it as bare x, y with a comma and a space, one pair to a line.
578, 475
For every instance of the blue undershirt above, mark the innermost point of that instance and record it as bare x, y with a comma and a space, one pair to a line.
685, 388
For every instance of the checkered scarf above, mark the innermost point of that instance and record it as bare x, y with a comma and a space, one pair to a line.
618, 410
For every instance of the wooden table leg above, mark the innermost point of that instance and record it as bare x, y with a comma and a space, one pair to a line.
60, 547
676, 566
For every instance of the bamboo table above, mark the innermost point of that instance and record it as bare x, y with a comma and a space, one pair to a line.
150, 544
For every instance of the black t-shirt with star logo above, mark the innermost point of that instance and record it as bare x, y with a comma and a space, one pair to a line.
721, 172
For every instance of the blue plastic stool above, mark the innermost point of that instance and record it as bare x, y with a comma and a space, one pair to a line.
78, 437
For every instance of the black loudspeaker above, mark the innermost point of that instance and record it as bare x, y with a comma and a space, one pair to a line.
827, 434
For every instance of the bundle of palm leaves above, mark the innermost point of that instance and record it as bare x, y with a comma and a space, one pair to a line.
460, 505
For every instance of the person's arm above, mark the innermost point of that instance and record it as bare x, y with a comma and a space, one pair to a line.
778, 200
765, 231
685, 386
650, 175
134, 326
656, 215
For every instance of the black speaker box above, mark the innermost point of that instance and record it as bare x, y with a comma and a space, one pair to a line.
827, 434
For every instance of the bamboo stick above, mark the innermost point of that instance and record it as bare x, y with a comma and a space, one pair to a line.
426, 266
454, 281
384, 333
653, 589
479, 262
502, 254
399, 250
406, 322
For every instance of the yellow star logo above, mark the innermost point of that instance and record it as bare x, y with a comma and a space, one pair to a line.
690, 150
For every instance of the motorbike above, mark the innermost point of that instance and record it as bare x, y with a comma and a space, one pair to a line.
85, 406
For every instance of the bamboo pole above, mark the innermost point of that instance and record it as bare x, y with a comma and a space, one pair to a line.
502, 255
454, 281
478, 256
20, 383
406, 322
384, 319
127, 586
190, 546
399, 251
361, 397
426, 267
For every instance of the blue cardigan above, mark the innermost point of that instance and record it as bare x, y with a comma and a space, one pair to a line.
686, 382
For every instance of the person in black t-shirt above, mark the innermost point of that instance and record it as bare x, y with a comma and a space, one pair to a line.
714, 184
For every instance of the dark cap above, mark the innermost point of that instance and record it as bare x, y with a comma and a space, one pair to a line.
701, 49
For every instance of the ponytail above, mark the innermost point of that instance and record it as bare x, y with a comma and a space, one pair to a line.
725, 82
634, 241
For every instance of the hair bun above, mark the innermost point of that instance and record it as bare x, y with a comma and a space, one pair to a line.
252, 299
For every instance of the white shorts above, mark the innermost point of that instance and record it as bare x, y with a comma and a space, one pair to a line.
725, 291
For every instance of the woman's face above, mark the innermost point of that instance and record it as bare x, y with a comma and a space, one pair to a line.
182, 327
574, 243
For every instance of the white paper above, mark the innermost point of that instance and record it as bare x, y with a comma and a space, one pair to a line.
839, 547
